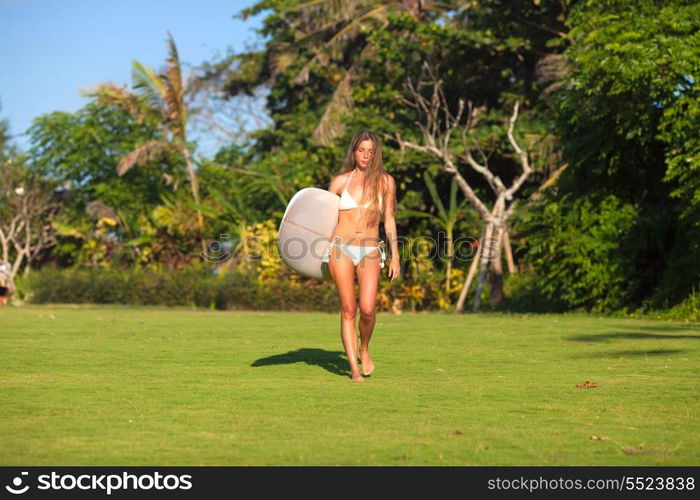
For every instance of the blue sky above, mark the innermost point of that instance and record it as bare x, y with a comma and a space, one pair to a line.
50, 48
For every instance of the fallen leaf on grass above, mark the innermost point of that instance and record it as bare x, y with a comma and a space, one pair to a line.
457, 433
598, 438
586, 384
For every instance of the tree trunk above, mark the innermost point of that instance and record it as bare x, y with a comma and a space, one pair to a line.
509, 253
467, 283
439, 124
195, 194
495, 274
450, 254
483, 266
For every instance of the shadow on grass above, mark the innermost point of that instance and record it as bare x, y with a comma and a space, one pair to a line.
332, 361
630, 353
605, 337
667, 328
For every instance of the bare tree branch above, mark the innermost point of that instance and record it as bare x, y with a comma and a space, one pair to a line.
25, 219
438, 126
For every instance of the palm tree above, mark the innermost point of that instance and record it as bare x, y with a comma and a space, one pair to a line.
158, 99
326, 28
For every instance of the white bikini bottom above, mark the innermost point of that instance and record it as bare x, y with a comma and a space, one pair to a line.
355, 252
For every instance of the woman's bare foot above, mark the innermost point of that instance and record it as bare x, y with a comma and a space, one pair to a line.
366, 360
356, 377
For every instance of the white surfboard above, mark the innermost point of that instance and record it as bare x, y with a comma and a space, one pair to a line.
305, 231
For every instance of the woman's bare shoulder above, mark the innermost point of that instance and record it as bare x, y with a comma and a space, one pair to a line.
389, 180
337, 183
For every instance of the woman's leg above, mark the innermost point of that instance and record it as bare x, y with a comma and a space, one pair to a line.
343, 272
368, 277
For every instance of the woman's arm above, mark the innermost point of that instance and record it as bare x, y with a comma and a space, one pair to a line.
389, 220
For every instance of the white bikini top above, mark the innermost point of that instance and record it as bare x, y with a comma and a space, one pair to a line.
347, 202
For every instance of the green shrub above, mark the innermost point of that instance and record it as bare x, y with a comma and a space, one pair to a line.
196, 288
688, 310
523, 293
578, 249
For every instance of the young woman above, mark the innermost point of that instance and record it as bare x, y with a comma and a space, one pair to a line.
367, 196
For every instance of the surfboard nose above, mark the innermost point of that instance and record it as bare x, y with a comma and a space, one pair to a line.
305, 231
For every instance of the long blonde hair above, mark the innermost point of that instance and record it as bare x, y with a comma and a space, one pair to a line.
374, 179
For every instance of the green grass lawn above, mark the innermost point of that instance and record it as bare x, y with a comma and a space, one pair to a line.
111, 385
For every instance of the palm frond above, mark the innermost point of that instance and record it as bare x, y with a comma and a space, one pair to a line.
111, 95
331, 125
405, 213
235, 211
174, 70
349, 31
175, 93
205, 210
143, 154
303, 76
434, 195
332, 49
283, 54
175, 112
313, 37
147, 85
341, 102
453, 197
316, 13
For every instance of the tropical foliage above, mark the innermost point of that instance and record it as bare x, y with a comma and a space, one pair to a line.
608, 219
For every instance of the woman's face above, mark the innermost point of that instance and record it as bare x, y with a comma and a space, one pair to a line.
363, 153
